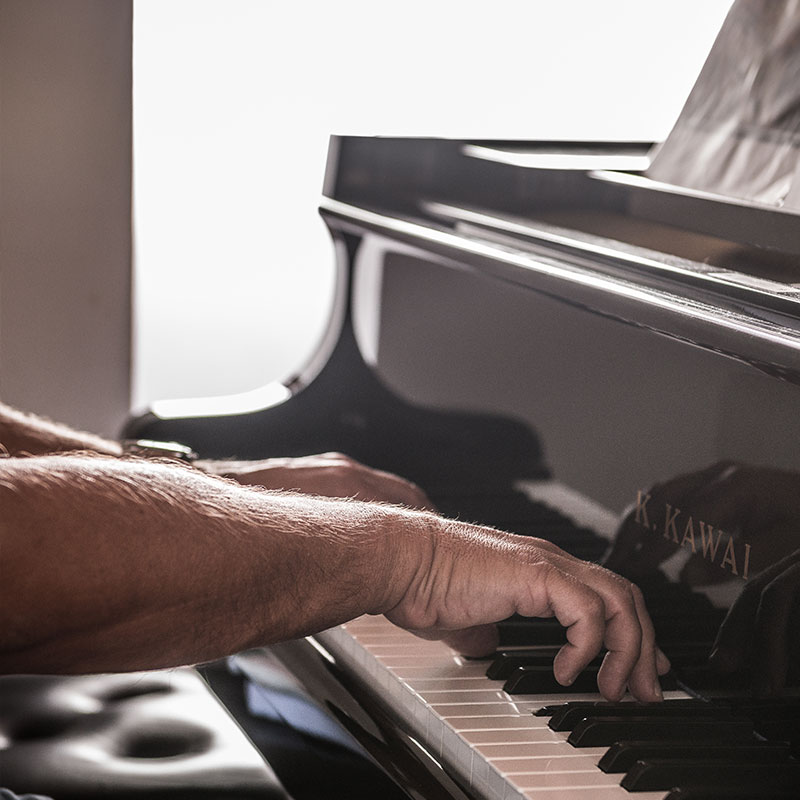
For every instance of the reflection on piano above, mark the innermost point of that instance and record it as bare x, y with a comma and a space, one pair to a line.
600, 332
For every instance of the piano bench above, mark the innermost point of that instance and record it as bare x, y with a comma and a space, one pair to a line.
147, 735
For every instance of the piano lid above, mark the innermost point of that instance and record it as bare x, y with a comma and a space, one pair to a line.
720, 273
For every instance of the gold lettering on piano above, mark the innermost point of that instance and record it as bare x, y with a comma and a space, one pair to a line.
746, 571
670, 531
688, 535
715, 545
710, 547
730, 557
641, 509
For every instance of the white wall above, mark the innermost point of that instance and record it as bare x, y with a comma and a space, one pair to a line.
65, 183
234, 102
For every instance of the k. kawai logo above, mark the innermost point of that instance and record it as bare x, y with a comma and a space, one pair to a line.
696, 535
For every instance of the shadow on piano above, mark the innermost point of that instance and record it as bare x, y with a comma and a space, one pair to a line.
606, 312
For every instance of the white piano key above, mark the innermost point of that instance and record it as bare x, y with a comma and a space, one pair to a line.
570, 779
540, 749
379, 649
488, 738
450, 710
454, 749
585, 793
497, 784
421, 714
479, 776
538, 701
406, 659
505, 736
496, 723
485, 695
508, 749
446, 669
534, 764
455, 684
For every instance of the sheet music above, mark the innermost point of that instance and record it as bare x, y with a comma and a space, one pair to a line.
739, 132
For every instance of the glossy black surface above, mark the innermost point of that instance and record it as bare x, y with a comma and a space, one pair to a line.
612, 334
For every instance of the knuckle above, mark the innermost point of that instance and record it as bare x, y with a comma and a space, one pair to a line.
594, 606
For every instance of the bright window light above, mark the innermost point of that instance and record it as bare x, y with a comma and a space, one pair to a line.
234, 101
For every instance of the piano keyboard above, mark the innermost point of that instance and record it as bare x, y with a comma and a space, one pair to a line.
503, 746
495, 733
491, 739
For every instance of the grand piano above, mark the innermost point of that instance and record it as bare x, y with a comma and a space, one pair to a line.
537, 333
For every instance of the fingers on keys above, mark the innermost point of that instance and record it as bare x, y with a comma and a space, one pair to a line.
600, 609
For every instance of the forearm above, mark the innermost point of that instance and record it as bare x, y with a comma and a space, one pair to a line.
25, 433
110, 564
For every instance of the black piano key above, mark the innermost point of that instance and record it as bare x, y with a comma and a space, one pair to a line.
621, 756
567, 718
598, 732
541, 680
548, 710
661, 774
506, 662
693, 631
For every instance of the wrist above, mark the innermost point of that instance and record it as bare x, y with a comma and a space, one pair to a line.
403, 554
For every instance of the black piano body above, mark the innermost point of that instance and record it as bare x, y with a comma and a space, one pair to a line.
535, 315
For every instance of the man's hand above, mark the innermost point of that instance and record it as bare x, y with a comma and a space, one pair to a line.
327, 474
757, 505
122, 564
762, 629
611, 613
475, 576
